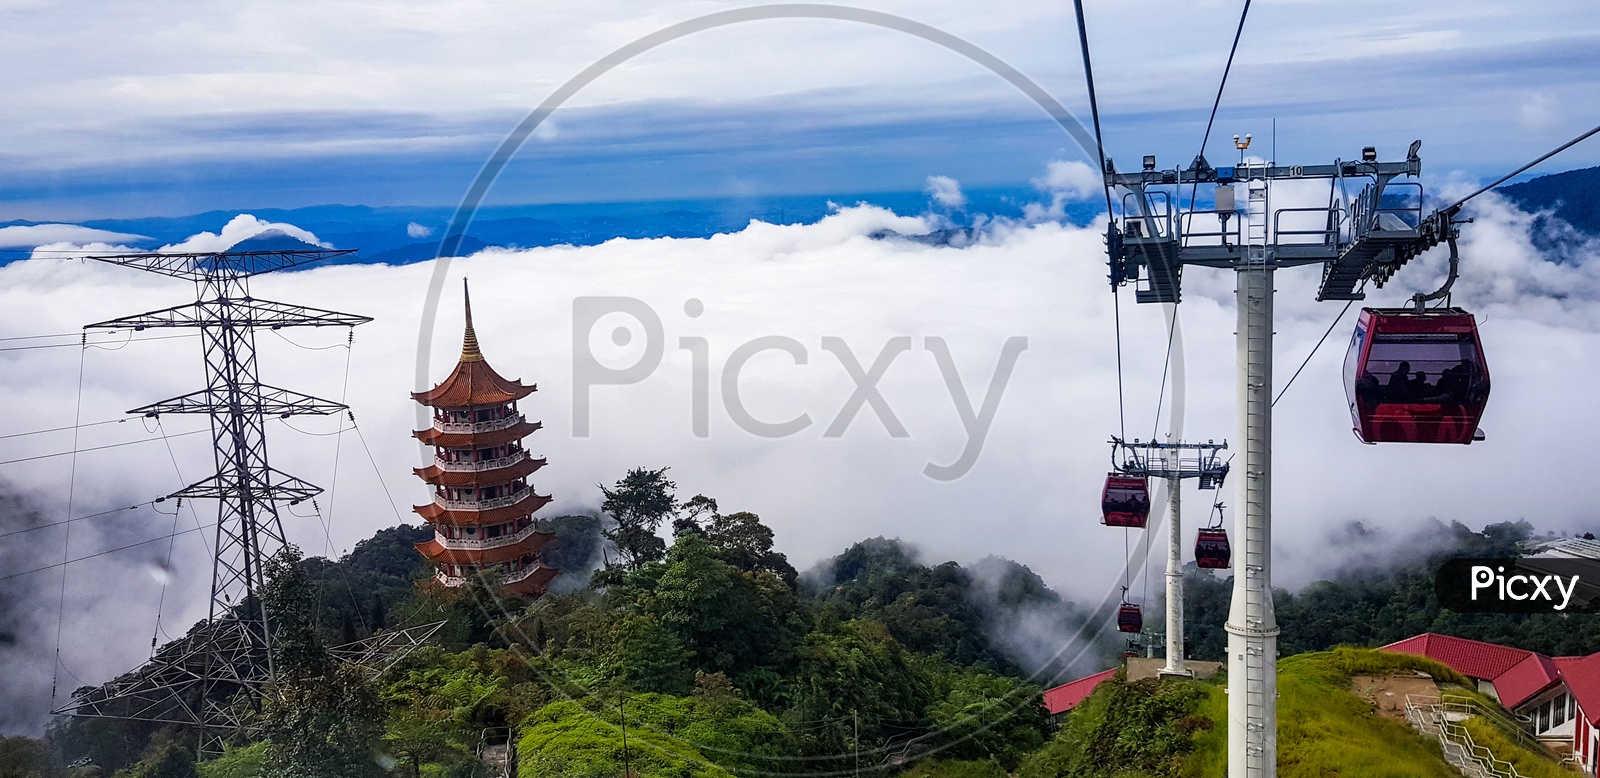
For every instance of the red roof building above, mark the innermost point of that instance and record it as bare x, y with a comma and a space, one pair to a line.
1067, 696
483, 506
1558, 698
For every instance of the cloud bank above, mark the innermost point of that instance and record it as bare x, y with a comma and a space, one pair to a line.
35, 235
776, 322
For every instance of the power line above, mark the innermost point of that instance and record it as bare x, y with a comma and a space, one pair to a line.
92, 448
63, 429
66, 541
106, 552
125, 342
286, 339
182, 482
375, 470
64, 522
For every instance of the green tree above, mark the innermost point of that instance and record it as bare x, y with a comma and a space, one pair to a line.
732, 620
246, 762
652, 658
22, 757
985, 716
638, 503
1143, 728
744, 542
855, 673
321, 718
691, 515
164, 759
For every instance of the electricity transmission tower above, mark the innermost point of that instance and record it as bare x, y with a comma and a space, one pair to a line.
1367, 239
212, 677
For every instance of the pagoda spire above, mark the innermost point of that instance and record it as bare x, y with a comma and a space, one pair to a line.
469, 342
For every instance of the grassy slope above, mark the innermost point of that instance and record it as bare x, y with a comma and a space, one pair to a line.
1324, 729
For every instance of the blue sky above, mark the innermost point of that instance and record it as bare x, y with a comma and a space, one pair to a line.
125, 109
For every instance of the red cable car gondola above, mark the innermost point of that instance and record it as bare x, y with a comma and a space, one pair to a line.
1129, 619
1211, 549
1125, 502
1416, 377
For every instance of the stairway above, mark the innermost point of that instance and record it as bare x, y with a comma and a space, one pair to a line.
497, 751
1442, 720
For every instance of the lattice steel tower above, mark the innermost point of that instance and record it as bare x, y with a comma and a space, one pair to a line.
211, 677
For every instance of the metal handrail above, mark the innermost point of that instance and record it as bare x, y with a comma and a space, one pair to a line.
1430, 716
1222, 234
1329, 234
1149, 214
1506, 720
1368, 207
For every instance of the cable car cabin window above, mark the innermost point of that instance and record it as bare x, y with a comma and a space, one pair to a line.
1211, 550
1129, 619
1125, 501
1421, 368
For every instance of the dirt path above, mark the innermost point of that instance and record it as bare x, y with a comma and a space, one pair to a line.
1388, 693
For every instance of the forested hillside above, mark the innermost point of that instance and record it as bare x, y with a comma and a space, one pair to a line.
710, 655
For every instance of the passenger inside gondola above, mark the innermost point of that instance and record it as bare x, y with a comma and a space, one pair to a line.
1416, 378
1128, 501
1451, 362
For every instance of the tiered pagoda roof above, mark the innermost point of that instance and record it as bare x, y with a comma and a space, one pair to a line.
473, 382
479, 477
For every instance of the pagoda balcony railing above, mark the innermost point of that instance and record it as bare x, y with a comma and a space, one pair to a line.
510, 578
478, 467
523, 574
485, 505
470, 544
480, 426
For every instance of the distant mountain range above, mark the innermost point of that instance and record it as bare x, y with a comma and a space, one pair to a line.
401, 235
1574, 197
405, 234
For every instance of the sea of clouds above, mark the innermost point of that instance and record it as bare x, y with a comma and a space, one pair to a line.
1030, 495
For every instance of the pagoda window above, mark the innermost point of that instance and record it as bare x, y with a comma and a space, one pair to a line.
494, 531
472, 530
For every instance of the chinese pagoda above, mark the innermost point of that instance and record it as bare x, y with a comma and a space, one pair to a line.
483, 506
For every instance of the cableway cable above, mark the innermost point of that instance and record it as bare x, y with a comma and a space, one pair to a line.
1217, 102
1100, 151
1313, 353
1507, 177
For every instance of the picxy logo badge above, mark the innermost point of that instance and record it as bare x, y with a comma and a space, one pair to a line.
1523, 585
